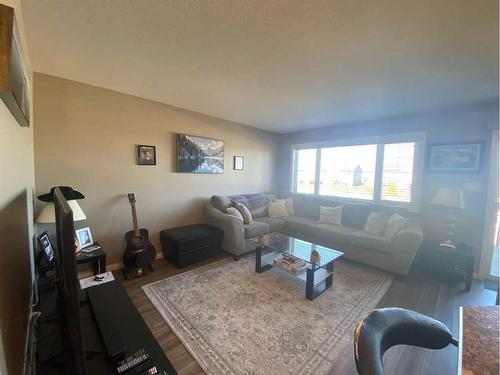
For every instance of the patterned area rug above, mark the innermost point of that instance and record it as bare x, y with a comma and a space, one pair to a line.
235, 321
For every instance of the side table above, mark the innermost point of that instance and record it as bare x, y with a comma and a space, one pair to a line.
456, 264
96, 257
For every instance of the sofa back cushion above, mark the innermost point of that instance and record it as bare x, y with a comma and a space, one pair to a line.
355, 215
309, 206
221, 202
306, 206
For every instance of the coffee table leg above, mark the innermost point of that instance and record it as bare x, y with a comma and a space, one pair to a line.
258, 261
311, 291
310, 284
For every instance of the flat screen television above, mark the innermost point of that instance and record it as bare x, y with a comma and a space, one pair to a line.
68, 286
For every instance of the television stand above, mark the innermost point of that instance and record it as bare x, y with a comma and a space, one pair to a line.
134, 334
124, 330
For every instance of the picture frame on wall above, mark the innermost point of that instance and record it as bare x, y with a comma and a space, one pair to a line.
239, 163
465, 157
146, 155
199, 155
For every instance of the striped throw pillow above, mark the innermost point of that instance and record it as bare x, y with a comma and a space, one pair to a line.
234, 212
245, 213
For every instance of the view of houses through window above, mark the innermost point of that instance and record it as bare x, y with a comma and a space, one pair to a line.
348, 171
355, 171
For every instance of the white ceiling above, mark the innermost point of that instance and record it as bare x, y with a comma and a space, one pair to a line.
275, 64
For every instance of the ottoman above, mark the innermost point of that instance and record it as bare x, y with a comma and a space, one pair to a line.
191, 243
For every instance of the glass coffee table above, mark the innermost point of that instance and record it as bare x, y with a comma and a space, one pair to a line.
317, 274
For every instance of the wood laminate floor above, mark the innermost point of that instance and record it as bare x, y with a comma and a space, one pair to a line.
418, 291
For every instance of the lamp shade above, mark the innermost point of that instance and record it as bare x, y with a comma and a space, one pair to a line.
48, 215
449, 197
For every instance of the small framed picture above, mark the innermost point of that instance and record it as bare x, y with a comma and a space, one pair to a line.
146, 155
455, 157
84, 237
46, 246
239, 163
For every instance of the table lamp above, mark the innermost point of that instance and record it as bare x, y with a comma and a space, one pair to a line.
452, 199
47, 214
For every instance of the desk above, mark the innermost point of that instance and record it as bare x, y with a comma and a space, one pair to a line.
479, 340
96, 257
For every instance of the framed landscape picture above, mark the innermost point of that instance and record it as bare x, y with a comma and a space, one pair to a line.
455, 157
199, 154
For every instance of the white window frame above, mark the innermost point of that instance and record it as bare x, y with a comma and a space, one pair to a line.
418, 166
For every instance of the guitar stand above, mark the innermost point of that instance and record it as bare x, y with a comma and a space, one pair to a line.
139, 270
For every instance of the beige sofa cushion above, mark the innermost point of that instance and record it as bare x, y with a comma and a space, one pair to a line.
277, 209
334, 233
255, 229
275, 224
369, 241
376, 223
395, 223
330, 215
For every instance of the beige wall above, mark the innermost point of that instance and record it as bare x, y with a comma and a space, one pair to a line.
86, 137
16, 228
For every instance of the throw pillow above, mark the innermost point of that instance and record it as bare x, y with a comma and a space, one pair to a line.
245, 213
330, 215
395, 223
376, 223
277, 208
288, 205
234, 212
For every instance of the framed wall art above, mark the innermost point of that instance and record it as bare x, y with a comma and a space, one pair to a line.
455, 157
146, 155
199, 154
239, 163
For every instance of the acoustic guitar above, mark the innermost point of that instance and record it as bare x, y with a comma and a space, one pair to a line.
139, 251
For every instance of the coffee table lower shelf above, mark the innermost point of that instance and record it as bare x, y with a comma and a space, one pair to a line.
317, 279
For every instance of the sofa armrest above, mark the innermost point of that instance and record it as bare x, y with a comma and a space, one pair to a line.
234, 238
408, 239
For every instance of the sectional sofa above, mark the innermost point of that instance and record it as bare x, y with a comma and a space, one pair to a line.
394, 255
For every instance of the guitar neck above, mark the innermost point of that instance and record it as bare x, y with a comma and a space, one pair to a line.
134, 219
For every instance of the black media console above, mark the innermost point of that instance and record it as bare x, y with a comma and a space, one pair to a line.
112, 330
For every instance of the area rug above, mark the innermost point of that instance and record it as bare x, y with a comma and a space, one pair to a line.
235, 321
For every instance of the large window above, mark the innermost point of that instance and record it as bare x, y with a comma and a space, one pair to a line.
305, 161
348, 171
397, 173
381, 171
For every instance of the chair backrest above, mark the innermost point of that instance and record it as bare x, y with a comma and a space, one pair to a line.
384, 328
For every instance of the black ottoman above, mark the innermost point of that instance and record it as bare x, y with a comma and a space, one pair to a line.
191, 243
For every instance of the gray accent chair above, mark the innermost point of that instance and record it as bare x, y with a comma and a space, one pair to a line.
394, 255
